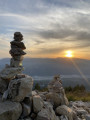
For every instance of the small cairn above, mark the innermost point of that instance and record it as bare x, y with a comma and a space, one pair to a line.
16, 51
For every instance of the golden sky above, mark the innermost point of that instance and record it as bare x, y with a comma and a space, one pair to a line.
50, 27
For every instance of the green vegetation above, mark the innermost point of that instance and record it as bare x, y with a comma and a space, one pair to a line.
73, 93
37, 87
77, 93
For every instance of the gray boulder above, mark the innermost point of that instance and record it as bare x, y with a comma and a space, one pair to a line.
80, 107
20, 88
47, 113
54, 98
66, 111
37, 103
10, 110
57, 98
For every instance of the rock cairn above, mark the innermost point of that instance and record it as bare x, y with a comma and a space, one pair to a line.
16, 51
19, 102
15, 87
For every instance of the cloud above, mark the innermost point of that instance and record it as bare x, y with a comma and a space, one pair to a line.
48, 26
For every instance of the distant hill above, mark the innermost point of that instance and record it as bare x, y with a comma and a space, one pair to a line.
51, 66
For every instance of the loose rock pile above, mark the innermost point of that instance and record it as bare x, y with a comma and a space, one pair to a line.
19, 102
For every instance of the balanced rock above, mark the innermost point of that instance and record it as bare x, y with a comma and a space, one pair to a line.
20, 88
10, 110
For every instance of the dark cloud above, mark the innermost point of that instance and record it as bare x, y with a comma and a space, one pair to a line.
65, 33
55, 34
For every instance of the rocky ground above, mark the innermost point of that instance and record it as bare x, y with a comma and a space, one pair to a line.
19, 102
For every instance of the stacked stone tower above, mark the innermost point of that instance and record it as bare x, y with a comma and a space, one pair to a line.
17, 47
15, 87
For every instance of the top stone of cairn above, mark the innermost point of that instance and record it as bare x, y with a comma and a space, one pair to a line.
16, 51
18, 36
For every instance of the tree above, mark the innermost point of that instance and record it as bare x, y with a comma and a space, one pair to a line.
37, 86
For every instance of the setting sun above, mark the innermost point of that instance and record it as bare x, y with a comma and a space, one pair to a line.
68, 54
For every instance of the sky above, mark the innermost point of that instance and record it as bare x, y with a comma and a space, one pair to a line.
50, 27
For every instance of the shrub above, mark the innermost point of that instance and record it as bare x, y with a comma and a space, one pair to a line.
37, 87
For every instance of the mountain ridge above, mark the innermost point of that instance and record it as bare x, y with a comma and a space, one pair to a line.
52, 66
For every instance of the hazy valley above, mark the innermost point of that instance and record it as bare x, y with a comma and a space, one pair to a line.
43, 70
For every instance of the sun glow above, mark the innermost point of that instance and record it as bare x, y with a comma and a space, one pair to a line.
69, 54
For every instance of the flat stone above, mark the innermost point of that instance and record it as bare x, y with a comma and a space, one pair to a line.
10, 73
10, 110
18, 44
18, 76
16, 52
